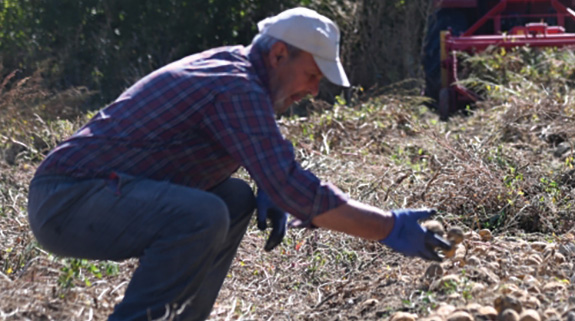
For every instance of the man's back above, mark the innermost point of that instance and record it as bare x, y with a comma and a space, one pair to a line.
160, 127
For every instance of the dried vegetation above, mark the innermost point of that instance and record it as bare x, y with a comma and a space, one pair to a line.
503, 174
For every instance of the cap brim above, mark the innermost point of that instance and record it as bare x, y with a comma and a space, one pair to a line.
332, 70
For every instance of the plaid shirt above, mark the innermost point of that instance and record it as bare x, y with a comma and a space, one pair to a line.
194, 122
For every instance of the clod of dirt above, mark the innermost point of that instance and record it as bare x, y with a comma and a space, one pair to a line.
473, 308
531, 281
432, 318
559, 258
472, 235
433, 270
554, 287
444, 310
460, 316
485, 235
529, 315
403, 316
534, 259
473, 261
539, 246
455, 235
444, 283
508, 315
460, 252
478, 288
531, 302
551, 314
506, 302
509, 288
370, 302
487, 275
487, 313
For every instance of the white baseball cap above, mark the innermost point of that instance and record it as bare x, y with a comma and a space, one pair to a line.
309, 31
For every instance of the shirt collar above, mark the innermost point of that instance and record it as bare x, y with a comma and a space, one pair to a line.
256, 57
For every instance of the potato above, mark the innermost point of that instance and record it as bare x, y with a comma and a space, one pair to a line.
485, 235
449, 253
455, 235
434, 226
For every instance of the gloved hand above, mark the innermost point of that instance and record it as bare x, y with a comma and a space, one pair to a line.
267, 210
411, 239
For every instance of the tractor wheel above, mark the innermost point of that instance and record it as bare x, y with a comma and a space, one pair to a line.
442, 19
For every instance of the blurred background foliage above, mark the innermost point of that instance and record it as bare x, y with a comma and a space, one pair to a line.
105, 45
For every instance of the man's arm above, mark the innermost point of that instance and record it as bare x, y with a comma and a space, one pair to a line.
398, 229
357, 219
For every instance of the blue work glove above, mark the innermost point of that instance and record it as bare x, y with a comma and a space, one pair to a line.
278, 218
412, 239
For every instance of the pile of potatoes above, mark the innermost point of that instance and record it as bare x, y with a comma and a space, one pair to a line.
454, 235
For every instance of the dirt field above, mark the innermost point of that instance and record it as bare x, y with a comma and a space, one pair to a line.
503, 173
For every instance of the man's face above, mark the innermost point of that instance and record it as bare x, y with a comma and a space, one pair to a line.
291, 77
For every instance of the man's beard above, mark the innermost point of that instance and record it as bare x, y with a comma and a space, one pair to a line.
282, 104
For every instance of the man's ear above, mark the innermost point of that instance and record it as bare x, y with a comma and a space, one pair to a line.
278, 52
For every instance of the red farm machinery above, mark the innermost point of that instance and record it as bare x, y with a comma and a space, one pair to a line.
474, 25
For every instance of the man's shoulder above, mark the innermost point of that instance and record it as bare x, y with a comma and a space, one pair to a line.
229, 56
230, 68
236, 53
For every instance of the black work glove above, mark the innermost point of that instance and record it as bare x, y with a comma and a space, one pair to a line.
412, 239
278, 218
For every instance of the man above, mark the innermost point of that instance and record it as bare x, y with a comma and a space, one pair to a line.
150, 175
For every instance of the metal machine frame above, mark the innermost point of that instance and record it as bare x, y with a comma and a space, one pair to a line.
539, 34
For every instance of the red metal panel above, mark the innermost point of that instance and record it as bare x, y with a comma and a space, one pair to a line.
496, 13
479, 43
456, 3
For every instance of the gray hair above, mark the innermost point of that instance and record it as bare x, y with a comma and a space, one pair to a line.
265, 43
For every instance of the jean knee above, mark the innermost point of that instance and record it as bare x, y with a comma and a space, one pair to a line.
217, 217
238, 196
245, 195
208, 215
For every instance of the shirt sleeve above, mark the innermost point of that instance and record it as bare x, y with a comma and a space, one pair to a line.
244, 124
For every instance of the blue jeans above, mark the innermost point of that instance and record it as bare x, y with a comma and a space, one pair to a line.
185, 238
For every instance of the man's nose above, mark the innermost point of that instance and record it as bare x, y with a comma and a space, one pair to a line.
314, 88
